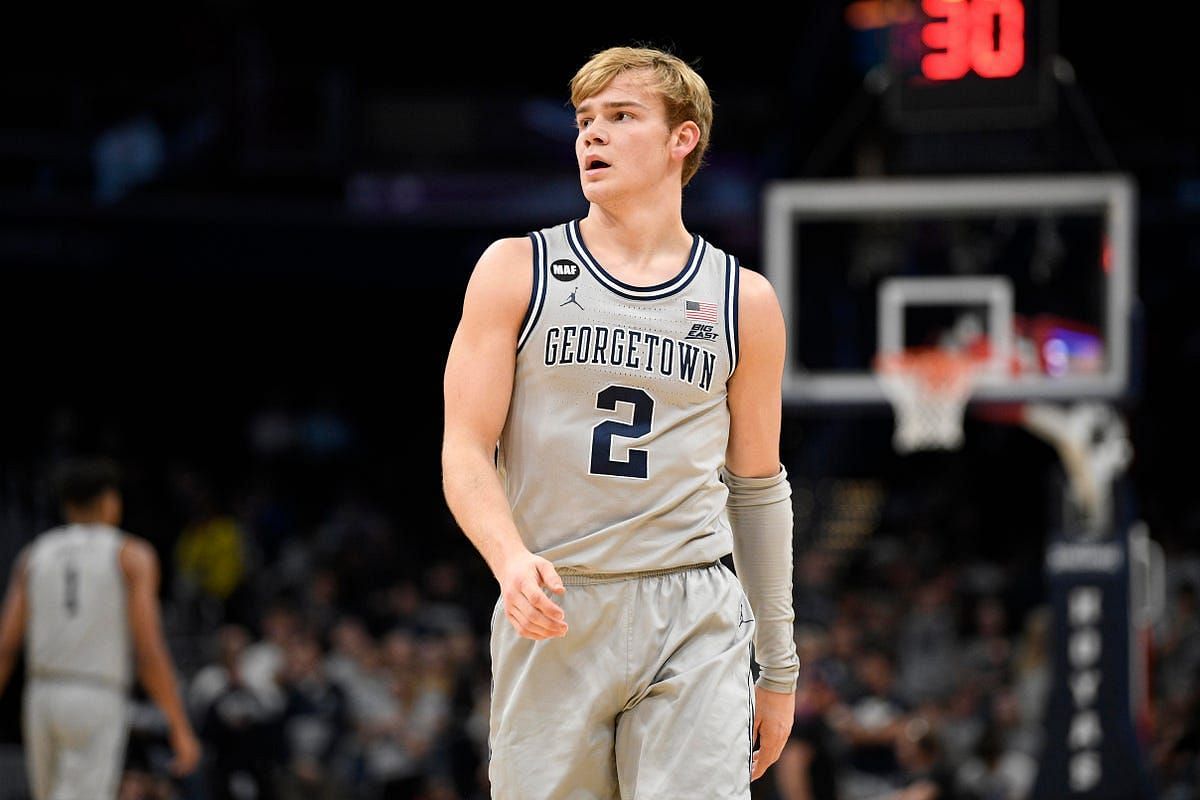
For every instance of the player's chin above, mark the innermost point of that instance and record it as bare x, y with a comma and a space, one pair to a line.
595, 192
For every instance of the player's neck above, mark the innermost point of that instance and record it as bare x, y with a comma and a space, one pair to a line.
637, 240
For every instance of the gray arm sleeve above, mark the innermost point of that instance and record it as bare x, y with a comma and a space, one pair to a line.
760, 514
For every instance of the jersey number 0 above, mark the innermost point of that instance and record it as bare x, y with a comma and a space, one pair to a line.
603, 433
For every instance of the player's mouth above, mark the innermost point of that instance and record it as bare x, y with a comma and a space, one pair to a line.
594, 165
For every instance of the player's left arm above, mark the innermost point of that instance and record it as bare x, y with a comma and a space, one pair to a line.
760, 511
12, 619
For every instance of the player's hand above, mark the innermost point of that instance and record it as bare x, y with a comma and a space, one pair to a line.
773, 715
532, 614
186, 748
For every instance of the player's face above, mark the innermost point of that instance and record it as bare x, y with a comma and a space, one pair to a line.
623, 145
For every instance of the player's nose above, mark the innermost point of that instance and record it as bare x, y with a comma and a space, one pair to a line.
595, 133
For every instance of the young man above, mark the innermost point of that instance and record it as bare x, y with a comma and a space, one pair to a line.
635, 401
84, 593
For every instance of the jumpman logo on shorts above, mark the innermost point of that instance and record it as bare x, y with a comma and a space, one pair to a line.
572, 299
742, 618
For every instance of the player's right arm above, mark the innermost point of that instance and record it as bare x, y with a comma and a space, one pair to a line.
139, 563
478, 388
12, 619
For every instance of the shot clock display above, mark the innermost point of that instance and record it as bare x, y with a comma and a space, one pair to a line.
960, 64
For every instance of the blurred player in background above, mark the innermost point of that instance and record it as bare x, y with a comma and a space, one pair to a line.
81, 598
633, 383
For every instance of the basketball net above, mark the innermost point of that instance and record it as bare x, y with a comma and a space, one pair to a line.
928, 388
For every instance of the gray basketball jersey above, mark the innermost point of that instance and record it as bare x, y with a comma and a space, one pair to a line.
78, 627
618, 422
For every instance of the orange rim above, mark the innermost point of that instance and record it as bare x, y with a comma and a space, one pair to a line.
939, 370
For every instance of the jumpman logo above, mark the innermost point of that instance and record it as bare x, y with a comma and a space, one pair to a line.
742, 619
572, 299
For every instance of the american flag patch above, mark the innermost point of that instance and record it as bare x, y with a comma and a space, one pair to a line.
705, 312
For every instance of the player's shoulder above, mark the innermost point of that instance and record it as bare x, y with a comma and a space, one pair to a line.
507, 254
755, 292
137, 556
21, 562
760, 318
503, 278
44, 541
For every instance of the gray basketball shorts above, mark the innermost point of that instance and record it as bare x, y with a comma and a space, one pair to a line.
648, 696
75, 735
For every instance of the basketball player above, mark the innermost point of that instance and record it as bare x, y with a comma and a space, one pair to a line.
85, 593
631, 373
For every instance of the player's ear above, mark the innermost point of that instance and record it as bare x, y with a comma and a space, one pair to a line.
684, 139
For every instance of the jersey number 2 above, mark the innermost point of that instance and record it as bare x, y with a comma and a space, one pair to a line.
603, 433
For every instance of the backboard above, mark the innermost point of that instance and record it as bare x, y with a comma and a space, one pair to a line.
1039, 271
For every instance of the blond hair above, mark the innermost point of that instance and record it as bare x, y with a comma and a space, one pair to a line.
684, 92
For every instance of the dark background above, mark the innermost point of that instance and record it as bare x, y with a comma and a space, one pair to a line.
318, 183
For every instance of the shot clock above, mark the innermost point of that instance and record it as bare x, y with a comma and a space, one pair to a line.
972, 64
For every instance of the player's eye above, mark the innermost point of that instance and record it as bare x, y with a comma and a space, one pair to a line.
622, 114
582, 123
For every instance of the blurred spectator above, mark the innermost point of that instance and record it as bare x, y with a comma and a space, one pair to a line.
263, 660
925, 774
1179, 651
1005, 762
444, 611
881, 618
1017, 734
1176, 757
401, 741
319, 604
399, 605
212, 680
807, 769
995, 773
475, 728
962, 722
928, 645
313, 725
844, 639
869, 725
210, 555
354, 662
1031, 667
814, 589
235, 721
986, 656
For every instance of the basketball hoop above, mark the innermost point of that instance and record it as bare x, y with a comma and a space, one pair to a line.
928, 388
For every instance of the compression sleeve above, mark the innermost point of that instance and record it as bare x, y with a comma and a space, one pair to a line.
760, 514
